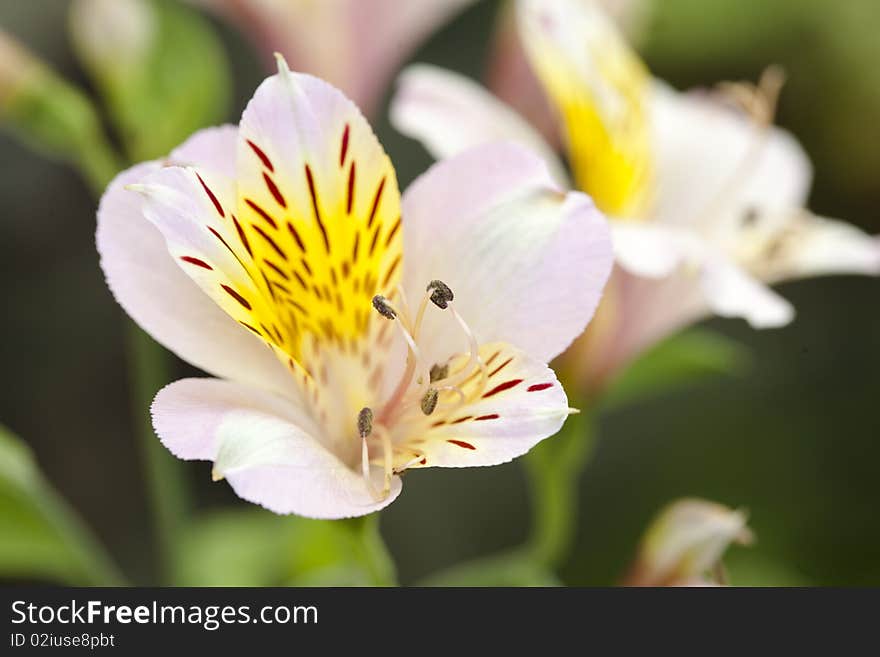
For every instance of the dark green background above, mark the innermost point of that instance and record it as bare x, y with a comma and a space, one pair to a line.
796, 440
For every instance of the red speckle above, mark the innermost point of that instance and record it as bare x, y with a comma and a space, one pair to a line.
501, 387
376, 200
539, 386
344, 148
270, 242
393, 232
501, 367
493, 416
211, 196
295, 235
462, 419
242, 237
316, 207
461, 443
273, 189
260, 211
235, 295
260, 154
424, 461
196, 262
351, 173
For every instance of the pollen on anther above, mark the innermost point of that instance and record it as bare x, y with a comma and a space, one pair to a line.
429, 401
365, 422
441, 294
384, 308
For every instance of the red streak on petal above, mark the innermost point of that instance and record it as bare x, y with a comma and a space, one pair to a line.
211, 196
501, 387
501, 367
344, 148
196, 262
273, 189
260, 154
235, 295
493, 416
539, 386
462, 419
376, 200
260, 211
461, 443
351, 174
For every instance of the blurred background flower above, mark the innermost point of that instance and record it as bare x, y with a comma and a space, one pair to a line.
789, 433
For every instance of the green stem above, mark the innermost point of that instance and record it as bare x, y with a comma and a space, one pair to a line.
553, 469
166, 482
373, 552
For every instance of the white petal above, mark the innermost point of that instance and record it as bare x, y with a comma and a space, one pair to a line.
714, 164
166, 303
520, 404
814, 246
449, 113
731, 292
265, 446
649, 250
212, 149
527, 263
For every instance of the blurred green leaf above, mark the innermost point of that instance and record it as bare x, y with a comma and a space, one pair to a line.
511, 569
253, 547
171, 80
52, 116
42, 538
750, 568
680, 360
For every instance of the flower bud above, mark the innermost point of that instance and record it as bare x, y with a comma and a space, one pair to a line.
685, 542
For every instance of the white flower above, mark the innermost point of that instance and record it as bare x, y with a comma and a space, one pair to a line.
355, 334
706, 198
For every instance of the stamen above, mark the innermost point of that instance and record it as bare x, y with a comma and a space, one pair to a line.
365, 422
429, 401
441, 294
473, 357
388, 459
414, 361
383, 307
439, 371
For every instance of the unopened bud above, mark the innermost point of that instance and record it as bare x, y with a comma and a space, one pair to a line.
441, 294
685, 543
112, 37
383, 307
429, 401
365, 422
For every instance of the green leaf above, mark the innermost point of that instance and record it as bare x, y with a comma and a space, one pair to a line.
680, 360
173, 80
510, 569
253, 547
42, 538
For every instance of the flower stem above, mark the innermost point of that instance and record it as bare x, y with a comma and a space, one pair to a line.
373, 552
166, 483
553, 469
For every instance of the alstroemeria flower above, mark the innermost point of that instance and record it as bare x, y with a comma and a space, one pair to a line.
685, 542
706, 198
356, 45
355, 334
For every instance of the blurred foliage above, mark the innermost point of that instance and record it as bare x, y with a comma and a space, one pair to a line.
253, 547
42, 537
175, 82
682, 359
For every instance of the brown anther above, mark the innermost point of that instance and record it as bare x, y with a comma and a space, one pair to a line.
439, 372
441, 294
429, 401
383, 307
365, 422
